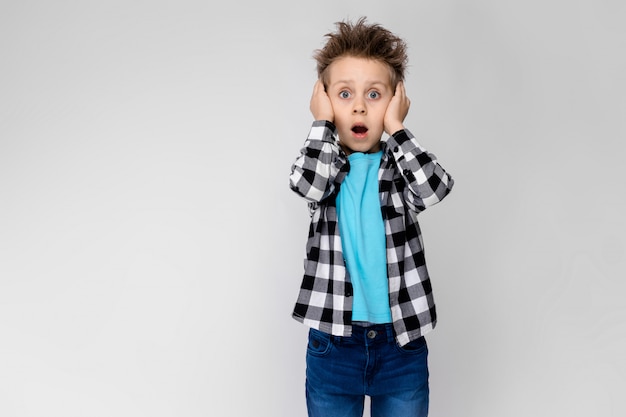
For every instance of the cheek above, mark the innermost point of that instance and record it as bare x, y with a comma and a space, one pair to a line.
341, 122
385, 104
337, 103
380, 111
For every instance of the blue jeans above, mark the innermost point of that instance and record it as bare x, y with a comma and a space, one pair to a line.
341, 371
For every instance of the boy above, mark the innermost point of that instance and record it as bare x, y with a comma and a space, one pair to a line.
366, 294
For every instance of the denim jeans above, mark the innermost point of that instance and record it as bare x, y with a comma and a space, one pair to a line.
341, 371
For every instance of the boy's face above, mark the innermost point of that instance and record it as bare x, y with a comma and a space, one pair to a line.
360, 91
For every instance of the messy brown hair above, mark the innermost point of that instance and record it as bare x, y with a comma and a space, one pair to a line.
363, 40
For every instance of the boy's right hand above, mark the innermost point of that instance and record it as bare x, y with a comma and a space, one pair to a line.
321, 107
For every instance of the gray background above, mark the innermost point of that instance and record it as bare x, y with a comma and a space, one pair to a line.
151, 251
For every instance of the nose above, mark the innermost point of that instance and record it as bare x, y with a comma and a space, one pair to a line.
359, 107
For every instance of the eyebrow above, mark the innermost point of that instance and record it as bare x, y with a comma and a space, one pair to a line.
368, 83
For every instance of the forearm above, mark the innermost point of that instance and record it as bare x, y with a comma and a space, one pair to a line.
427, 182
314, 171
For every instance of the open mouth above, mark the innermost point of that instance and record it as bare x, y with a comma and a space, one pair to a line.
359, 130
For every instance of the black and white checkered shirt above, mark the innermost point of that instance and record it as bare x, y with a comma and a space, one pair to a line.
410, 179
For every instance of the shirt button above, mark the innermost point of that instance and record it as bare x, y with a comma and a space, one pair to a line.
371, 334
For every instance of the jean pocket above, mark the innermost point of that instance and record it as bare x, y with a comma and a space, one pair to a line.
319, 343
414, 347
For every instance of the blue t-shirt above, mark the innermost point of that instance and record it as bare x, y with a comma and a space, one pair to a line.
363, 238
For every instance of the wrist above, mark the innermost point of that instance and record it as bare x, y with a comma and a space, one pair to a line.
323, 117
394, 127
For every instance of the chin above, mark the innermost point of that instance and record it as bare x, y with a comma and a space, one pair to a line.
363, 147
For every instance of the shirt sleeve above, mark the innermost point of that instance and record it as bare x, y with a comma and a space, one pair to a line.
427, 182
314, 172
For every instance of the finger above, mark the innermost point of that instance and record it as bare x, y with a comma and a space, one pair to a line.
316, 87
404, 97
398, 88
320, 84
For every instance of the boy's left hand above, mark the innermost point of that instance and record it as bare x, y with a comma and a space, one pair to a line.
397, 110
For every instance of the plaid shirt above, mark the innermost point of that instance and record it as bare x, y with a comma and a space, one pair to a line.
410, 179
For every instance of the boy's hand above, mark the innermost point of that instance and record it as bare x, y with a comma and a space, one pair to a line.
397, 110
321, 107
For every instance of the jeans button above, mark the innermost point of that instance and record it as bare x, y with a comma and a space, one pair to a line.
371, 334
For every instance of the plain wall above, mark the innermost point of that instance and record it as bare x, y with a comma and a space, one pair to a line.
151, 250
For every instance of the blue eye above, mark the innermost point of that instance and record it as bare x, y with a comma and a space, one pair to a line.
344, 94
373, 94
